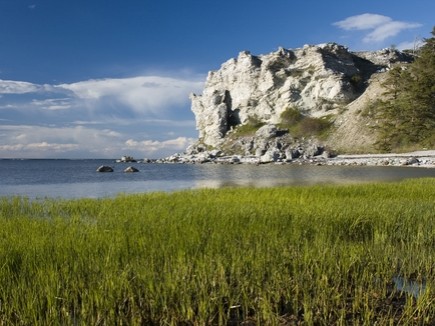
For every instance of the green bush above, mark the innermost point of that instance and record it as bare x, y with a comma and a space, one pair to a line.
313, 126
303, 126
248, 128
357, 82
291, 116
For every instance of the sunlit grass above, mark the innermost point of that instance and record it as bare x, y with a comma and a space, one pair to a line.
320, 255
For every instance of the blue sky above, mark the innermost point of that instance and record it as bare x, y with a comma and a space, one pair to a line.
106, 78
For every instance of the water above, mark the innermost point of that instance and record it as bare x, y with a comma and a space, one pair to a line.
79, 179
410, 287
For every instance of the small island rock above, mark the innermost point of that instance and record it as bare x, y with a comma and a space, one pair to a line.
131, 169
104, 168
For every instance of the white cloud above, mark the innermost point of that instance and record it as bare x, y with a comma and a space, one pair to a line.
97, 118
362, 22
45, 142
380, 27
40, 134
44, 147
18, 87
142, 94
152, 146
53, 104
28, 141
388, 30
412, 45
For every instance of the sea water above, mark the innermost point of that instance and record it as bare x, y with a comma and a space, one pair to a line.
79, 179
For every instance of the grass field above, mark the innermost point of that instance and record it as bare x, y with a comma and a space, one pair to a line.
318, 255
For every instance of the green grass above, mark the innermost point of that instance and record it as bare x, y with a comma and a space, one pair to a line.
319, 255
247, 129
304, 126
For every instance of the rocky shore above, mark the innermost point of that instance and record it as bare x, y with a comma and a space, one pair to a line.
414, 159
295, 106
323, 83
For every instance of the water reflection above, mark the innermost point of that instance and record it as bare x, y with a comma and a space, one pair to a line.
75, 179
216, 176
411, 287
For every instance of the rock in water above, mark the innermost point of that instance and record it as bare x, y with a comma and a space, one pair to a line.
131, 169
104, 168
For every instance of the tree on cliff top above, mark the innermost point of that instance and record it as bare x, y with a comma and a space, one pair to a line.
407, 117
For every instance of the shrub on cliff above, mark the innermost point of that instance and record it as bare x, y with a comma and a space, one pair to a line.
249, 128
303, 126
291, 116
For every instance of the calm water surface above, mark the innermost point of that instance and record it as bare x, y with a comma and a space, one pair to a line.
78, 178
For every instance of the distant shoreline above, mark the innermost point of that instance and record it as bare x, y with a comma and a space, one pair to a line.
414, 159
418, 154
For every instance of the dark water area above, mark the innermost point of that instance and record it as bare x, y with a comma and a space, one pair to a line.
79, 179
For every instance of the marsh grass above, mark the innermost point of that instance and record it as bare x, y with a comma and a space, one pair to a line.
318, 255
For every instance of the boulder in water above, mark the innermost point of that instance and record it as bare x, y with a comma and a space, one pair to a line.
131, 169
104, 168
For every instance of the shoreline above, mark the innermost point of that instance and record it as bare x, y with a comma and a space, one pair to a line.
425, 159
416, 159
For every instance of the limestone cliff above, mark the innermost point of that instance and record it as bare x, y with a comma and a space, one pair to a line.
317, 80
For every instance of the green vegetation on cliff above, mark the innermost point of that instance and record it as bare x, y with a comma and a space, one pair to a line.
318, 255
300, 125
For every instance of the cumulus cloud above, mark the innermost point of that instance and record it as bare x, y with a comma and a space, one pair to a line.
32, 141
388, 30
362, 22
142, 116
44, 146
18, 87
152, 146
53, 134
29, 141
142, 94
380, 27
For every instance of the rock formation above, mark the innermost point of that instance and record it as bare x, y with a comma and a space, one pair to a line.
104, 168
131, 169
319, 81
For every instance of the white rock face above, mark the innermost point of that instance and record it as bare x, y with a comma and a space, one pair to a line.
385, 57
314, 79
